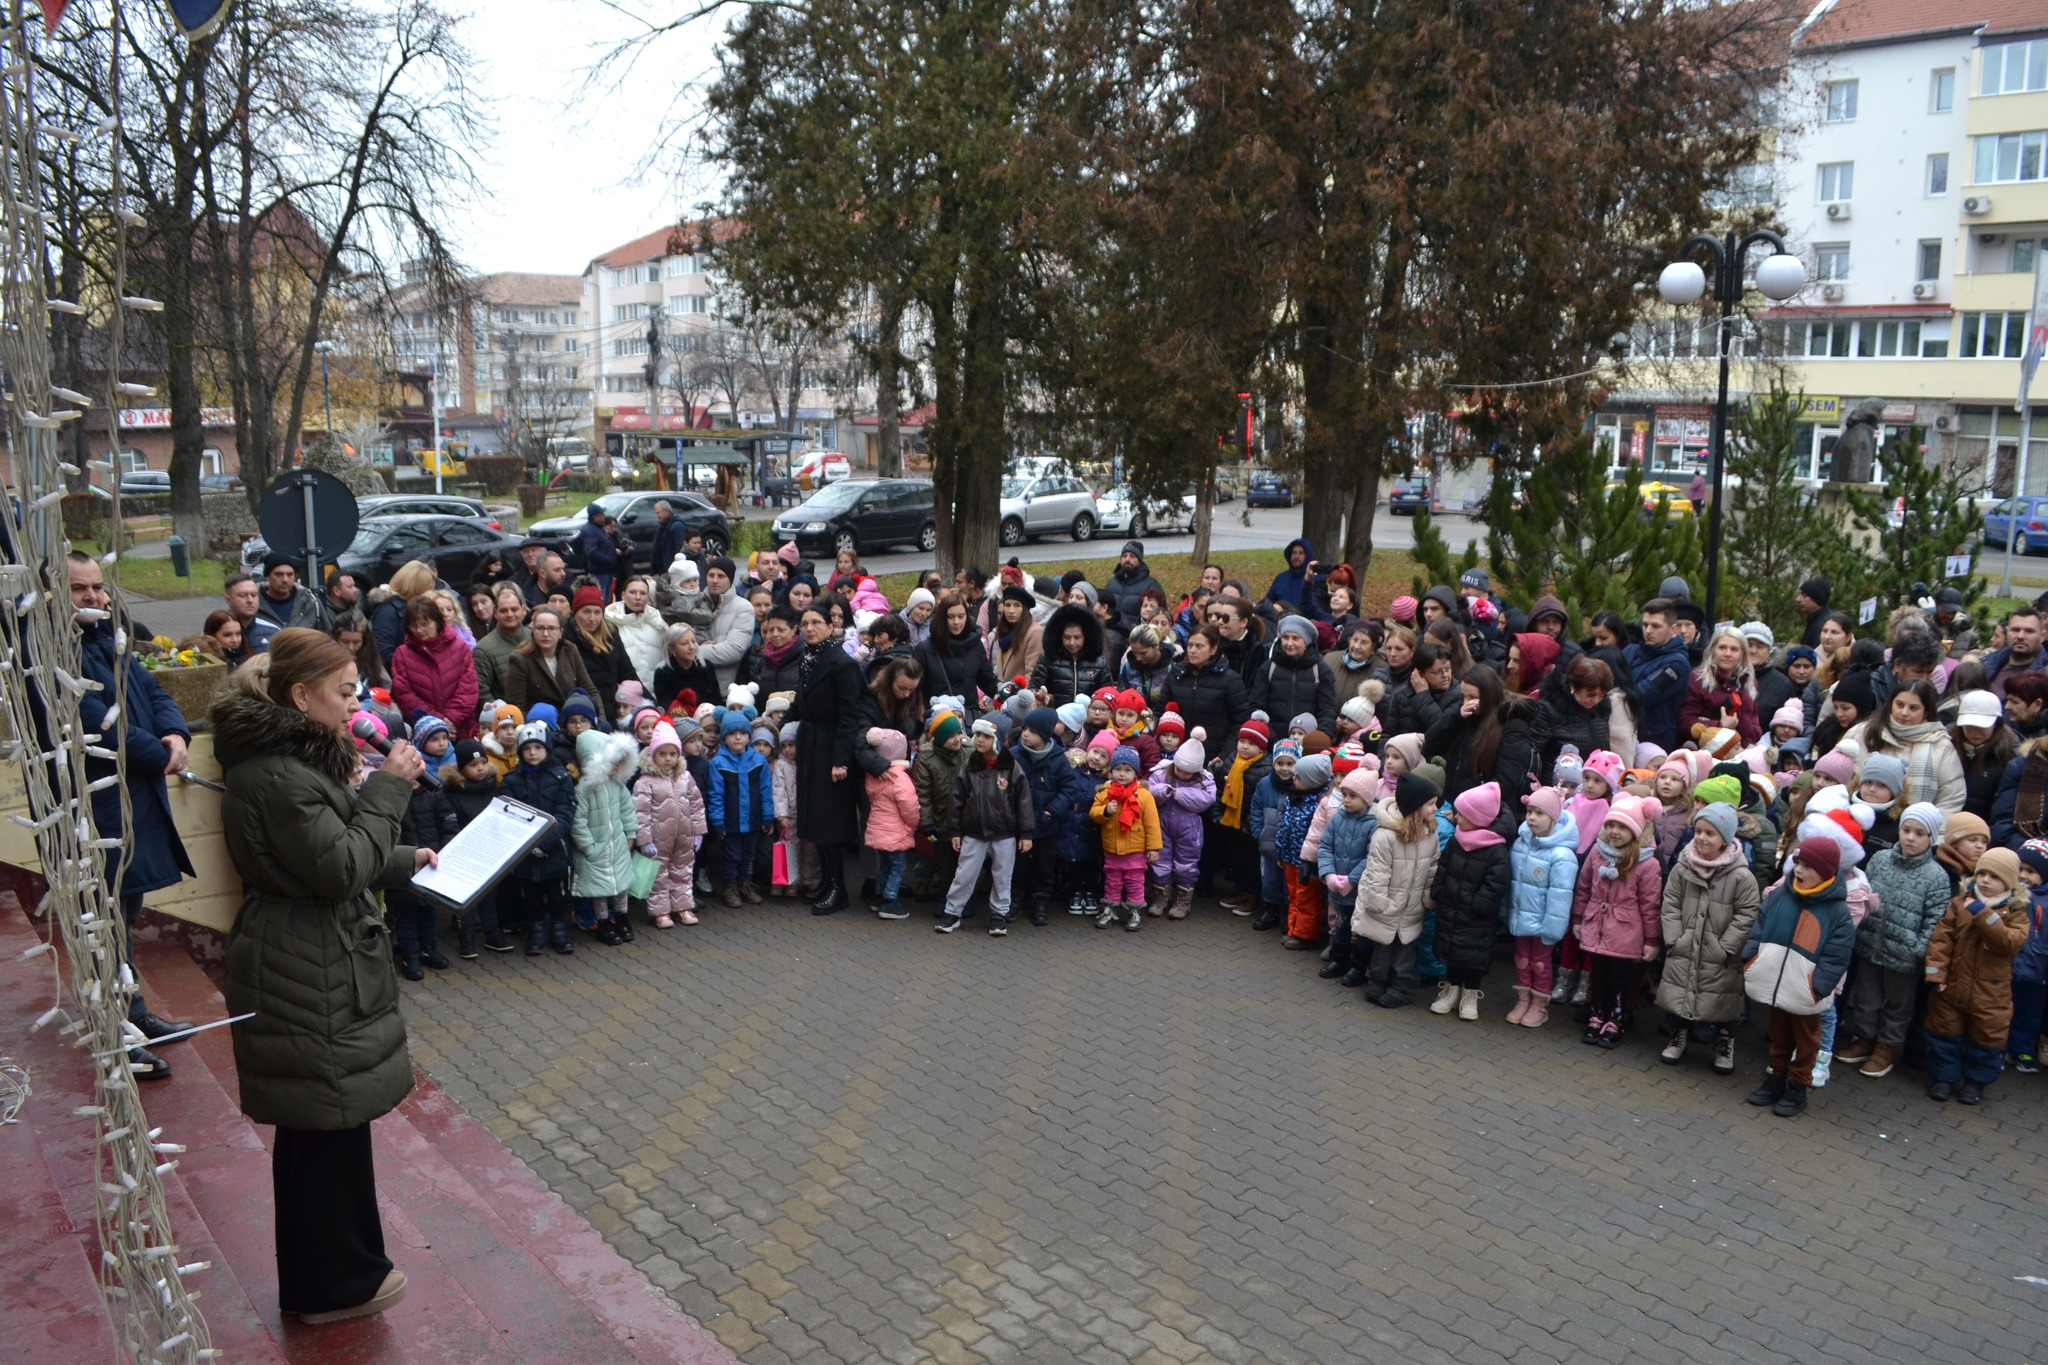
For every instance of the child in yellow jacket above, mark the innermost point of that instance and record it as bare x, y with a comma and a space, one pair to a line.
1129, 818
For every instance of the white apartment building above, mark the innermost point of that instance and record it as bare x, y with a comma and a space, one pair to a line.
1909, 176
518, 348
664, 278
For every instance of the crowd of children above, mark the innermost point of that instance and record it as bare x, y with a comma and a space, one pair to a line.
1831, 873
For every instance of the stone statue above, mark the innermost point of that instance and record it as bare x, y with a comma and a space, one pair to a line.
1856, 447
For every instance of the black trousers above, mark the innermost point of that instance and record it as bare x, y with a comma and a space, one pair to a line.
330, 1242
1036, 875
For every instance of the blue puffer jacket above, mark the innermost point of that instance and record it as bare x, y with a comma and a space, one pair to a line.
1262, 819
1347, 838
1080, 837
1297, 811
2031, 962
1545, 871
1055, 786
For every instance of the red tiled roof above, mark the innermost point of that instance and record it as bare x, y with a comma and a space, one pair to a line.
655, 245
1851, 22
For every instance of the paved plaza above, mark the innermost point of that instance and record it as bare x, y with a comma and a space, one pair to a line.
847, 1140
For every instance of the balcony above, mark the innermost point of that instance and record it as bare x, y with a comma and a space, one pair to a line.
2007, 113
1988, 293
2021, 202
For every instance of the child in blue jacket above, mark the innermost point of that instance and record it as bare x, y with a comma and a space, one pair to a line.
1544, 868
1340, 863
739, 804
1262, 823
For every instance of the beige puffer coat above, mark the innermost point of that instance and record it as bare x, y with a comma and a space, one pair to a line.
1706, 921
1397, 877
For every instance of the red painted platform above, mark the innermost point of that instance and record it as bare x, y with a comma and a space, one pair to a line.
499, 1267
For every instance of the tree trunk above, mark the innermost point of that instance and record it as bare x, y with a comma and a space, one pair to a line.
1205, 515
889, 396
1322, 463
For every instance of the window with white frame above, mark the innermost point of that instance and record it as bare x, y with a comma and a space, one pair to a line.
689, 303
1841, 100
1927, 260
653, 274
692, 264
633, 346
211, 461
1937, 174
569, 318
1991, 336
2023, 256
1941, 90
1831, 261
2004, 158
2010, 68
569, 344
616, 278
134, 462
618, 312
1837, 181
1870, 339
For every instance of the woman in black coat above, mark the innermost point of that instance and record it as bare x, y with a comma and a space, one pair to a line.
1488, 737
827, 713
604, 655
891, 699
1072, 664
684, 670
1208, 693
1576, 708
1294, 679
954, 658
1412, 710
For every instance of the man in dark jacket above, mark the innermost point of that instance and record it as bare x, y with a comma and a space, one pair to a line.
1130, 581
668, 537
600, 555
156, 738
1294, 586
1813, 603
1659, 667
2022, 652
283, 601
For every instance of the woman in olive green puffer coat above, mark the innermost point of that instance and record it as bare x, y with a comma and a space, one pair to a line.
309, 959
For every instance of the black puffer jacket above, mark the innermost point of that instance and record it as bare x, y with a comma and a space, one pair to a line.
1063, 676
1451, 740
1470, 888
956, 666
1567, 722
1286, 687
1213, 697
546, 788
1127, 588
991, 799
1409, 712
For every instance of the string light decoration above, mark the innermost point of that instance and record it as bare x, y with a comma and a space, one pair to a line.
142, 1277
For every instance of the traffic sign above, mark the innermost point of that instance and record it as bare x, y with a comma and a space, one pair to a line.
308, 515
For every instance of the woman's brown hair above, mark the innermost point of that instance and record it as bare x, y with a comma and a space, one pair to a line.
298, 655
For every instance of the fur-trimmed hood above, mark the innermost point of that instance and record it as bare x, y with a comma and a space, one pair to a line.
1072, 615
247, 727
605, 758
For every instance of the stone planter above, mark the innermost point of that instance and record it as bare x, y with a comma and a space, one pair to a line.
193, 688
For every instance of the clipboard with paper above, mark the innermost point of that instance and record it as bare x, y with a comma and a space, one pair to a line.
488, 847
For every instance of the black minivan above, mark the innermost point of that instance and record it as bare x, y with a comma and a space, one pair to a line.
862, 515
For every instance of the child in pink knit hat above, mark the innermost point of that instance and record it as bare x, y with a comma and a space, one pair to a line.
1617, 916
1469, 891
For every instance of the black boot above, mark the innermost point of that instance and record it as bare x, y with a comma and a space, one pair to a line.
409, 967
558, 932
1267, 918
1770, 1092
432, 956
1041, 914
536, 937
624, 925
465, 942
833, 860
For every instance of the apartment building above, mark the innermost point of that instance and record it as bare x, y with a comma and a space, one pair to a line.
664, 279
515, 351
1909, 175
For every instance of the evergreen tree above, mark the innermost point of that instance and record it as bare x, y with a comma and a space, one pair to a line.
1776, 533
1937, 518
1433, 553
1593, 547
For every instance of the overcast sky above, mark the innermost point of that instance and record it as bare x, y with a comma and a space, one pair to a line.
575, 173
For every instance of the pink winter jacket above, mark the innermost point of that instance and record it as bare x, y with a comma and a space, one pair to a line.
438, 677
892, 811
669, 811
1619, 916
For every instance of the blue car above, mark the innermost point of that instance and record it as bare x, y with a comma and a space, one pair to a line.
1407, 496
1269, 489
2032, 514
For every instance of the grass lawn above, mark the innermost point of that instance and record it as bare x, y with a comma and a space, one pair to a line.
1387, 579
153, 577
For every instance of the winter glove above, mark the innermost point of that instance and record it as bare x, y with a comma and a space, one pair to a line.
650, 850
1339, 884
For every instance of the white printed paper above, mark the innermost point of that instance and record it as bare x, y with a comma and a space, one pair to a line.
1867, 612
484, 851
1958, 566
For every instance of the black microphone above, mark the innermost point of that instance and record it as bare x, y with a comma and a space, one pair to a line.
366, 730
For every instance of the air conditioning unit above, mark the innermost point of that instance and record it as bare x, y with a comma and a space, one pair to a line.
1990, 238
1831, 292
1924, 289
1944, 423
1977, 203
1838, 211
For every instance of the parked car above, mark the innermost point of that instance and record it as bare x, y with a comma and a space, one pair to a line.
1051, 504
862, 515
143, 482
2031, 514
389, 505
1678, 508
220, 483
635, 512
1117, 514
1406, 497
457, 546
1270, 488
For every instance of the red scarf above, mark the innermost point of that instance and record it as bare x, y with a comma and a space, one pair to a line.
1125, 794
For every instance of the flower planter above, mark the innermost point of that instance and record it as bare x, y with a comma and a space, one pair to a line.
193, 687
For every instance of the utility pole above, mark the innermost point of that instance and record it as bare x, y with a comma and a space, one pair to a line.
652, 373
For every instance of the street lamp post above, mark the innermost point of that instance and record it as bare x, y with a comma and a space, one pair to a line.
1683, 281
326, 396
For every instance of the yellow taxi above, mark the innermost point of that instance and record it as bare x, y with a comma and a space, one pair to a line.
1679, 508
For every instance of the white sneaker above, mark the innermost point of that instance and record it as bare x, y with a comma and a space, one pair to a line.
1446, 999
1821, 1063
1468, 1003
